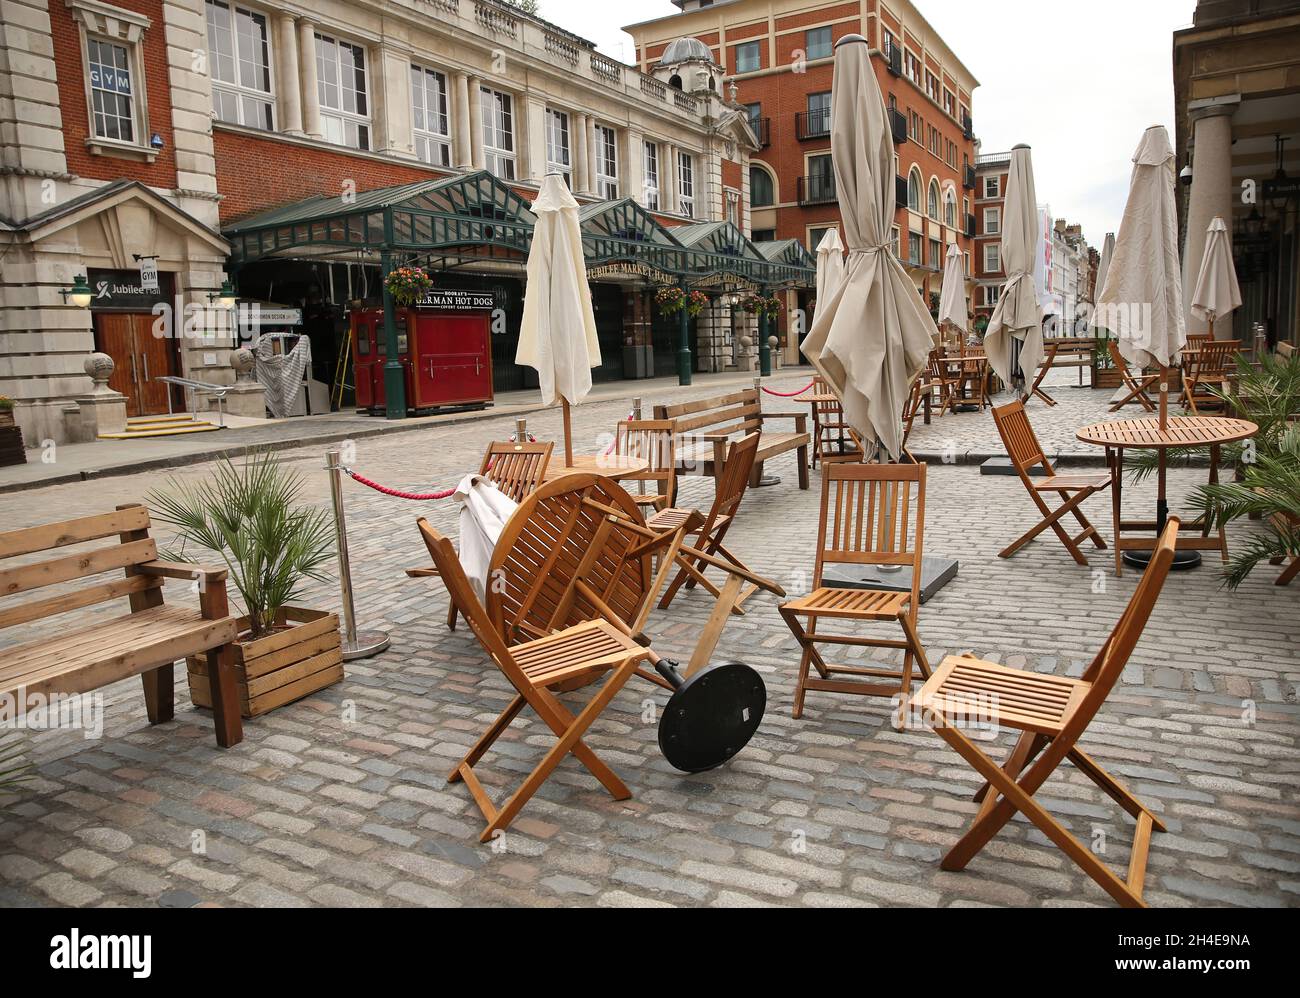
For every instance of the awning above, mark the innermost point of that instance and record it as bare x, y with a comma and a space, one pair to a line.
475, 218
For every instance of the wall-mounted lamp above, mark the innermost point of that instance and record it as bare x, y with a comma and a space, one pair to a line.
80, 292
227, 297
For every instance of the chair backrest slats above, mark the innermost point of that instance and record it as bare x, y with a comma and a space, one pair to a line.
733, 480
516, 468
872, 514
653, 441
1019, 439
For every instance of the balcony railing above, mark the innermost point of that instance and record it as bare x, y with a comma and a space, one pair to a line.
606, 69
900, 191
817, 189
812, 124
893, 58
967, 127
495, 20
562, 48
653, 87
970, 226
968, 178
898, 124
763, 129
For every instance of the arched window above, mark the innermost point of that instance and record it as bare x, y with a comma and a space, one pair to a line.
932, 200
950, 210
914, 189
761, 194
675, 81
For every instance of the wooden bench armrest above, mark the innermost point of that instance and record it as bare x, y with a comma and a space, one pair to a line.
800, 419
183, 570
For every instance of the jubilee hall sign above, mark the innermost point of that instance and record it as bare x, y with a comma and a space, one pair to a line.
122, 291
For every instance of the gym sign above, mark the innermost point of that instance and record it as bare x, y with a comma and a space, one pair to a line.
125, 291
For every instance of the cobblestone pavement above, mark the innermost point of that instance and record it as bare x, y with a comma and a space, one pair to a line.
340, 799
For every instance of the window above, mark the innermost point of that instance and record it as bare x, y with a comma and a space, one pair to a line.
557, 144
914, 125
992, 258
819, 113
497, 110
761, 194
755, 114
686, 184
747, 57
888, 44
950, 210
992, 186
815, 235
949, 103
992, 221
912, 66
966, 257
606, 163
341, 87
894, 236
965, 206
111, 90
932, 200
914, 190
429, 119
991, 294
763, 235
935, 136
914, 248
650, 178
932, 86
817, 43
240, 61
936, 254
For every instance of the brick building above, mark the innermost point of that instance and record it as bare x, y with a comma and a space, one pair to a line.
991, 172
778, 54
152, 128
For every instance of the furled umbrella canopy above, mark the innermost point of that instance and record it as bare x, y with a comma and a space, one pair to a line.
830, 264
872, 336
1018, 313
1217, 292
952, 296
1142, 302
1103, 265
557, 335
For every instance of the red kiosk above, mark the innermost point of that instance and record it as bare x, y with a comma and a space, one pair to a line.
444, 346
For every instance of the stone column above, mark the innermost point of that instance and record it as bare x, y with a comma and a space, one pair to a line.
591, 154
290, 97
631, 170
311, 123
461, 128
1212, 191
534, 141
668, 172
475, 124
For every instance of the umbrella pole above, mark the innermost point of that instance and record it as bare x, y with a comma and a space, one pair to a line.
1164, 403
568, 434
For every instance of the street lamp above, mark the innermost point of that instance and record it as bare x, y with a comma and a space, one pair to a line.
80, 292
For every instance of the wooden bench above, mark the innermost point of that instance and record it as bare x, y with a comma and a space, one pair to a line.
1061, 351
704, 428
146, 642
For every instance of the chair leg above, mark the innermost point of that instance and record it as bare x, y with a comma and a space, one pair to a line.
1113, 788
488, 737
810, 657
1288, 573
569, 738
1017, 797
1089, 531
1051, 519
1022, 754
451, 616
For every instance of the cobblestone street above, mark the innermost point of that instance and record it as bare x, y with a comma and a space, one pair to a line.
341, 798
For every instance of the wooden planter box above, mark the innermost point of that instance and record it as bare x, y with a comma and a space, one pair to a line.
286, 665
1106, 377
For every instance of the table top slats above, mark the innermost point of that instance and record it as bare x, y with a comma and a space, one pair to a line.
1180, 431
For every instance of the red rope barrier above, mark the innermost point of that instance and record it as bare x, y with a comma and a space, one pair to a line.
397, 493
787, 395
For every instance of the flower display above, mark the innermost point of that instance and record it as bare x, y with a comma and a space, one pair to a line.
408, 285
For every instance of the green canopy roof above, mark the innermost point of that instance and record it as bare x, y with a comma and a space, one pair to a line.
475, 218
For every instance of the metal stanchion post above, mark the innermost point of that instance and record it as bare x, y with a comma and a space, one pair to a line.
636, 408
356, 644
758, 401
521, 430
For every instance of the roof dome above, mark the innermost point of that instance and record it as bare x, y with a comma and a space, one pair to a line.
685, 49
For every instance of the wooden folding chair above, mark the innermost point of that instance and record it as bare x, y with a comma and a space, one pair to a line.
872, 514
732, 481
1044, 366
1137, 384
836, 440
583, 652
1208, 369
514, 468
1051, 712
975, 369
1026, 453
651, 440
944, 383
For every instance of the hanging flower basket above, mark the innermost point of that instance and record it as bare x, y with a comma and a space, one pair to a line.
762, 306
670, 300
408, 285
695, 302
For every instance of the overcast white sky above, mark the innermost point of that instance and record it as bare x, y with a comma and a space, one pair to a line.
1078, 81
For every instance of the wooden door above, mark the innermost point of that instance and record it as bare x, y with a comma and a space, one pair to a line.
154, 356
139, 359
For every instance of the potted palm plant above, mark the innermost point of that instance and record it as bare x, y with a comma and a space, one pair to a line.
252, 517
6, 411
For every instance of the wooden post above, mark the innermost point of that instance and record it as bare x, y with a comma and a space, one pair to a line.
568, 434
521, 430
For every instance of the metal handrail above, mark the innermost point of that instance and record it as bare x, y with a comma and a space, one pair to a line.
189, 384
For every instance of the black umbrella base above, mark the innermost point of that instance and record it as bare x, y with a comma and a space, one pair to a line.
1183, 560
711, 716
768, 480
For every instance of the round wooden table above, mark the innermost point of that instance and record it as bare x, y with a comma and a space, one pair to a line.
610, 465
1145, 434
